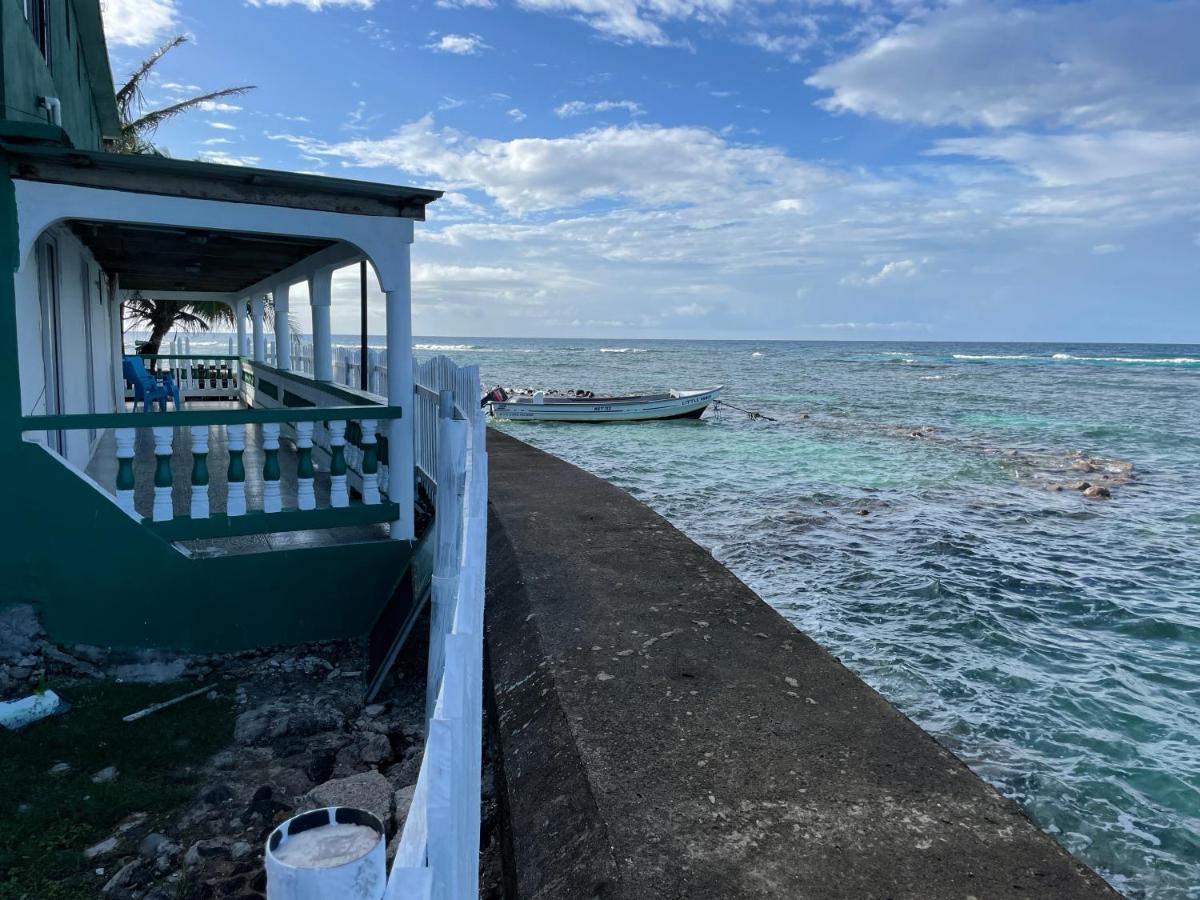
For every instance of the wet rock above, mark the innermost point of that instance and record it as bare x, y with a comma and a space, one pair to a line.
240, 849
152, 843
1098, 492
369, 791
107, 775
375, 749
209, 848
374, 710
261, 724
103, 848
118, 885
59, 769
291, 782
264, 805
70, 662
218, 794
19, 632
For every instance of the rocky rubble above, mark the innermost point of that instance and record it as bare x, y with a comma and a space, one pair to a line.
303, 738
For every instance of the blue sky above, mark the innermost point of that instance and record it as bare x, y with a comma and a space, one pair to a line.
842, 169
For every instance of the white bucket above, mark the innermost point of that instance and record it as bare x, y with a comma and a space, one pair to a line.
315, 869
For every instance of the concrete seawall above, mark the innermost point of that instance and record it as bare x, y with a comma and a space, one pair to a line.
663, 733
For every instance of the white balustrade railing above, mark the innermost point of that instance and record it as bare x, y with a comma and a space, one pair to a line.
438, 853
211, 377
247, 442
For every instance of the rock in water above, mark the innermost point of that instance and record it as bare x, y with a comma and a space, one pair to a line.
327, 846
1097, 492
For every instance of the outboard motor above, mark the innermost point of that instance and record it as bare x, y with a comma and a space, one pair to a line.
495, 395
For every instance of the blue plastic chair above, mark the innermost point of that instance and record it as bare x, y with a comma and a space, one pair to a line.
148, 388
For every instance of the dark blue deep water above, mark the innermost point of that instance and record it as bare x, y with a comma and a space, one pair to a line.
1051, 641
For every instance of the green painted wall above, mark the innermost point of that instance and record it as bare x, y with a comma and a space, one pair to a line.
77, 73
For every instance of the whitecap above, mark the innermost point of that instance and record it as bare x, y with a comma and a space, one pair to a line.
458, 347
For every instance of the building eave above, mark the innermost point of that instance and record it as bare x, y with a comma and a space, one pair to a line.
211, 181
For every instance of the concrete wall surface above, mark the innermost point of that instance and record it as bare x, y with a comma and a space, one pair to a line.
663, 733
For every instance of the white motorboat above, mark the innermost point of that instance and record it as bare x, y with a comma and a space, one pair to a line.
540, 406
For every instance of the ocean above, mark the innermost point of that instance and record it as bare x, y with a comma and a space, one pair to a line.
915, 509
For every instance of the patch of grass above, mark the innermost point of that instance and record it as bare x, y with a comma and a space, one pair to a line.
46, 821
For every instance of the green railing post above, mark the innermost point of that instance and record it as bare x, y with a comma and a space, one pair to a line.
272, 499
199, 471
164, 510
236, 504
338, 495
125, 481
306, 497
370, 462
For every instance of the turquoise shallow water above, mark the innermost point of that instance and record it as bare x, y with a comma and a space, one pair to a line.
900, 513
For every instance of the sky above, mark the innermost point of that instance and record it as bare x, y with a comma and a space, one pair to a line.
799, 169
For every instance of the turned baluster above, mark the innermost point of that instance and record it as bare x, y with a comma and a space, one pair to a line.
272, 499
370, 462
306, 498
381, 455
199, 471
125, 439
163, 509
338, 495
236, 502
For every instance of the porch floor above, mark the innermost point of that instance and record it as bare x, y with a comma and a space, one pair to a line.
103, 470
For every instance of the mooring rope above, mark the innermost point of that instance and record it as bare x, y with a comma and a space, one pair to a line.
752, 413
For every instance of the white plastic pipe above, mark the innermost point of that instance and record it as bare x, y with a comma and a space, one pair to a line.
362, 877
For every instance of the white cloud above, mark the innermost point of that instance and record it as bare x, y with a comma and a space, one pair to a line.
136, 23
1093, 64
1106, 249
315, 5
872, 326
790, 44
1086, 158
516, 115
464, 4
895, 270
451, 103
227, 159
458, 44
581, 107
217, 106
637, 21
650, 164
217, 141
223, 126
690, 309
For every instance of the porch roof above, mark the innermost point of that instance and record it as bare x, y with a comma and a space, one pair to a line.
158, 257
211, 181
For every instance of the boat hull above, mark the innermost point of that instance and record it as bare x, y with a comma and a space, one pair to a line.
682, 405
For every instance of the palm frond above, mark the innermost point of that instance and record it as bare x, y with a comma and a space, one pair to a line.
145, 125
130, 93
137, 125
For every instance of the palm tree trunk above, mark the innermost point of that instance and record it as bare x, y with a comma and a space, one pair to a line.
160, 324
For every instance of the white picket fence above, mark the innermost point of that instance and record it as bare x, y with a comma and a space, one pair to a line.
438, 853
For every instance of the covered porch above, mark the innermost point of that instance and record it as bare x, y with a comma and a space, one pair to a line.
277, 506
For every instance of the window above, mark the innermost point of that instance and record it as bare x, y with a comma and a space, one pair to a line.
37, 12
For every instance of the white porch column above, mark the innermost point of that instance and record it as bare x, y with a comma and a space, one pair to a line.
283, 336
320, 295
401, 465
256, 320
239, 316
